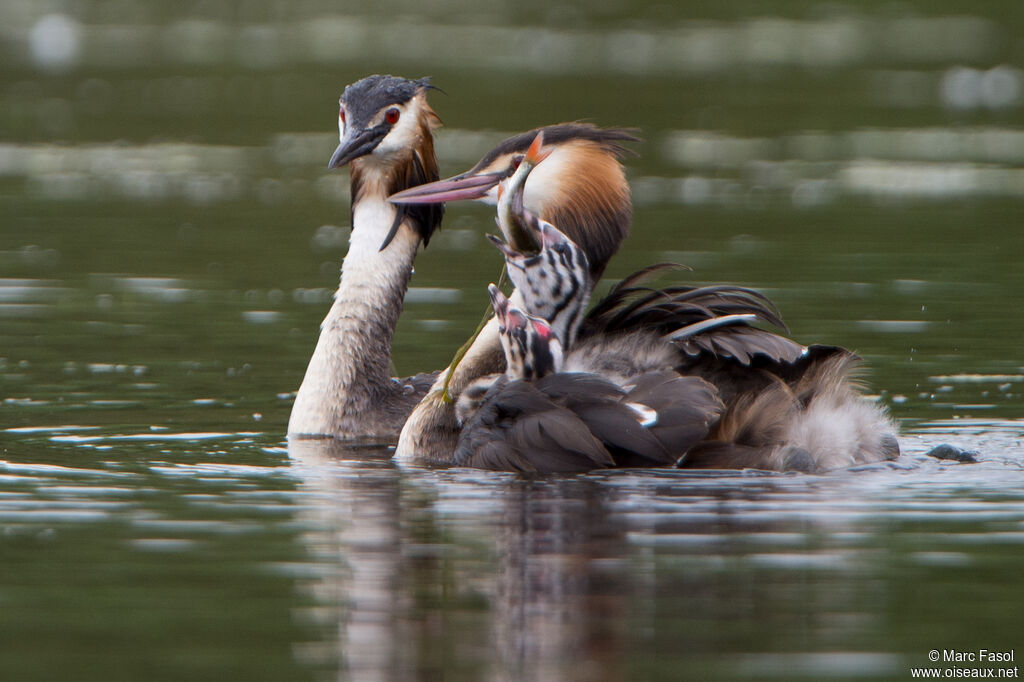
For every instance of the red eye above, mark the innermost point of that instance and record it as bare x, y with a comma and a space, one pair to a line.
516, 160
391, 116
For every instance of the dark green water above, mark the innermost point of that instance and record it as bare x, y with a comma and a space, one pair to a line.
169, 239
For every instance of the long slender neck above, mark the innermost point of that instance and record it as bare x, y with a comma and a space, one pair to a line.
348, 377
566, 321
371, 290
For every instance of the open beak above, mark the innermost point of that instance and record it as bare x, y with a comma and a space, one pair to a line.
359, 143
458, 188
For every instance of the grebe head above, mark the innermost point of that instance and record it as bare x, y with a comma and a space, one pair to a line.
382, 116
581, 187
385, 130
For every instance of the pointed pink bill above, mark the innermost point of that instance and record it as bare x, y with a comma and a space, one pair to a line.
453, 189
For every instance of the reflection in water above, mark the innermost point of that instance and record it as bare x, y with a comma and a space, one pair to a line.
355, 534
551, 611
623, 574
555, 615
419, 573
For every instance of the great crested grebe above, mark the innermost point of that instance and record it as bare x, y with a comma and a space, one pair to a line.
783, 406
385, 128
595, 210
582, 185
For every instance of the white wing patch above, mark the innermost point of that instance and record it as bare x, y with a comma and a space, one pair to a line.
645, 415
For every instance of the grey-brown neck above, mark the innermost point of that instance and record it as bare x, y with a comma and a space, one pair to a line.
348, 391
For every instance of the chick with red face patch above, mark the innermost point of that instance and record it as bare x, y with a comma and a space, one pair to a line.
532, 350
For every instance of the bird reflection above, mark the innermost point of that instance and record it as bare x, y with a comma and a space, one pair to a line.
353, 533
533, 602
440, 573
555, 615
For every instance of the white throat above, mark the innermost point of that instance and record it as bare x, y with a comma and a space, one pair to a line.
349, 374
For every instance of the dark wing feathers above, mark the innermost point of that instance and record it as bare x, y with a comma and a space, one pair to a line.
615, 425
642, 275
630, 306
686, 408
572, 441
746, 341
578, 422
568, 386
600, 405
518, 428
